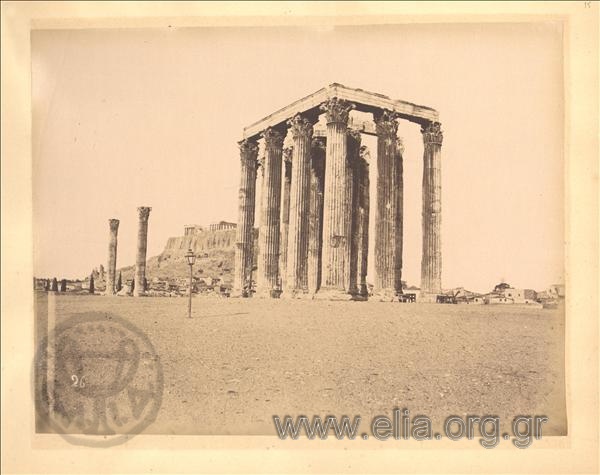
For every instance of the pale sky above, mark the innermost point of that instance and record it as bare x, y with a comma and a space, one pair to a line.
125, 118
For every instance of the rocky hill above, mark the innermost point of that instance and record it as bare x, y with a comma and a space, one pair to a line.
215, 251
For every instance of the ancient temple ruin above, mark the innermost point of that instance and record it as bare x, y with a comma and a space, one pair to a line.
313, 240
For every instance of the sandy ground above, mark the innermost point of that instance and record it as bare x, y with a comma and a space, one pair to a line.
239, 362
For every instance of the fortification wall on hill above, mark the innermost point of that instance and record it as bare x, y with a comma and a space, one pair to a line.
200, 242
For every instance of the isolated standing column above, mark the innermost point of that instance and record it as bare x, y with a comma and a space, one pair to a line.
285, 213
315, 213
336, 210
385, 218
431, 262
142, 244
268, 265
244, 247
297, 246
112, 256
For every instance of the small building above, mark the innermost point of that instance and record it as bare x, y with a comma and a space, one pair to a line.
192, 229
557, 291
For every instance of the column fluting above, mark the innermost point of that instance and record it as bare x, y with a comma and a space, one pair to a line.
297, 249
386, 215
244, 246
352, 197
363, 223
268, 264
285, 213
142, 245
111, 266
315, 214
336, 212
431, 262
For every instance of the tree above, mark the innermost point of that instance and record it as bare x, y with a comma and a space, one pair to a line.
92, 283
47, 285
145, 284
63, 285
133, 284
54, 285
119, 283
501, 286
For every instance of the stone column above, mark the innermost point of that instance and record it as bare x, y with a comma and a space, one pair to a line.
297, 249
399, 221
142, 244
385, 218
112, 256
285, 213
268, 264
315, 214
352, 197
431, 262
363, 221
244, 246
336, 210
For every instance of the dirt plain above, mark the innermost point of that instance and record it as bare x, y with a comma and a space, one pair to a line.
239, 362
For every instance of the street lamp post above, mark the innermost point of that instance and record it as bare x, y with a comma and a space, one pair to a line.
191, 258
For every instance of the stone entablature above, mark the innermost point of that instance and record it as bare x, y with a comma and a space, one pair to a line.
313, 237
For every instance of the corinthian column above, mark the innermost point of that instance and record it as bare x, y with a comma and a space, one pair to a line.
386, 215
297, 250
431, 262
112, 256
140, 258
336, 210
399, 221
315, 213
285, 213
268, 265
352, 197
244, 246
363, 221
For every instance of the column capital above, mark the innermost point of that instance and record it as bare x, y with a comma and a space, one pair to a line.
337, 110
300, 127
432, 133
114, 224
385, 123
248, 149
273, 138
144, 212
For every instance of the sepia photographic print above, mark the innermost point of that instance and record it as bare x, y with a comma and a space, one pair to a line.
294, 234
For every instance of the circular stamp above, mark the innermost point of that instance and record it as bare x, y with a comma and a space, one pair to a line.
98, 380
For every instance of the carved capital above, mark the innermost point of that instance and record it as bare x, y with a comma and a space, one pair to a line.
337, 110
300, 127
386, 125
248, 151
144, 212
114, 225
273, 138
432, 133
